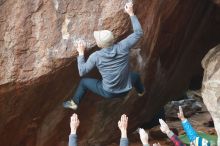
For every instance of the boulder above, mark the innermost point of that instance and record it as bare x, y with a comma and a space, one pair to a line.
39, 71
211, 86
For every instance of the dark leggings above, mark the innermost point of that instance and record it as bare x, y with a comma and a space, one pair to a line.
95, 86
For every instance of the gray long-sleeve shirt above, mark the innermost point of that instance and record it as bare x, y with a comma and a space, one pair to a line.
124, 142
113, 62
73, 140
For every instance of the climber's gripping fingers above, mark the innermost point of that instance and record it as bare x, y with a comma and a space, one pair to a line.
81, 47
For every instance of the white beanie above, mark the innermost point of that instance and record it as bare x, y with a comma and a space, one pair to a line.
104, 38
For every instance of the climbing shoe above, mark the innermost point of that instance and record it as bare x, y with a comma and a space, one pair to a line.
70, 104
141, 94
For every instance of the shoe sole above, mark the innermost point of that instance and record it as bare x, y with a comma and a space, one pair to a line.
69, 107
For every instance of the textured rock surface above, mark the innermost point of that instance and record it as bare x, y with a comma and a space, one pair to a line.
211, 85
38, 64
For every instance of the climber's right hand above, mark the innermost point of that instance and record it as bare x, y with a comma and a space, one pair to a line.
129, 8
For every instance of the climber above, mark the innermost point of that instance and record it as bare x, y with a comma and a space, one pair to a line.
74, 124
166, 130
112, 62
194, 138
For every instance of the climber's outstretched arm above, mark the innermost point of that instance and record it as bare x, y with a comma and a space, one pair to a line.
84, 67
122, 125
74, 124
126, 44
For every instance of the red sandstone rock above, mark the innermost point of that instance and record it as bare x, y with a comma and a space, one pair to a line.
217, 2
38, 64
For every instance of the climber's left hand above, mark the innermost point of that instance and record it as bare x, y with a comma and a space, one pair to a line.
81, 47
